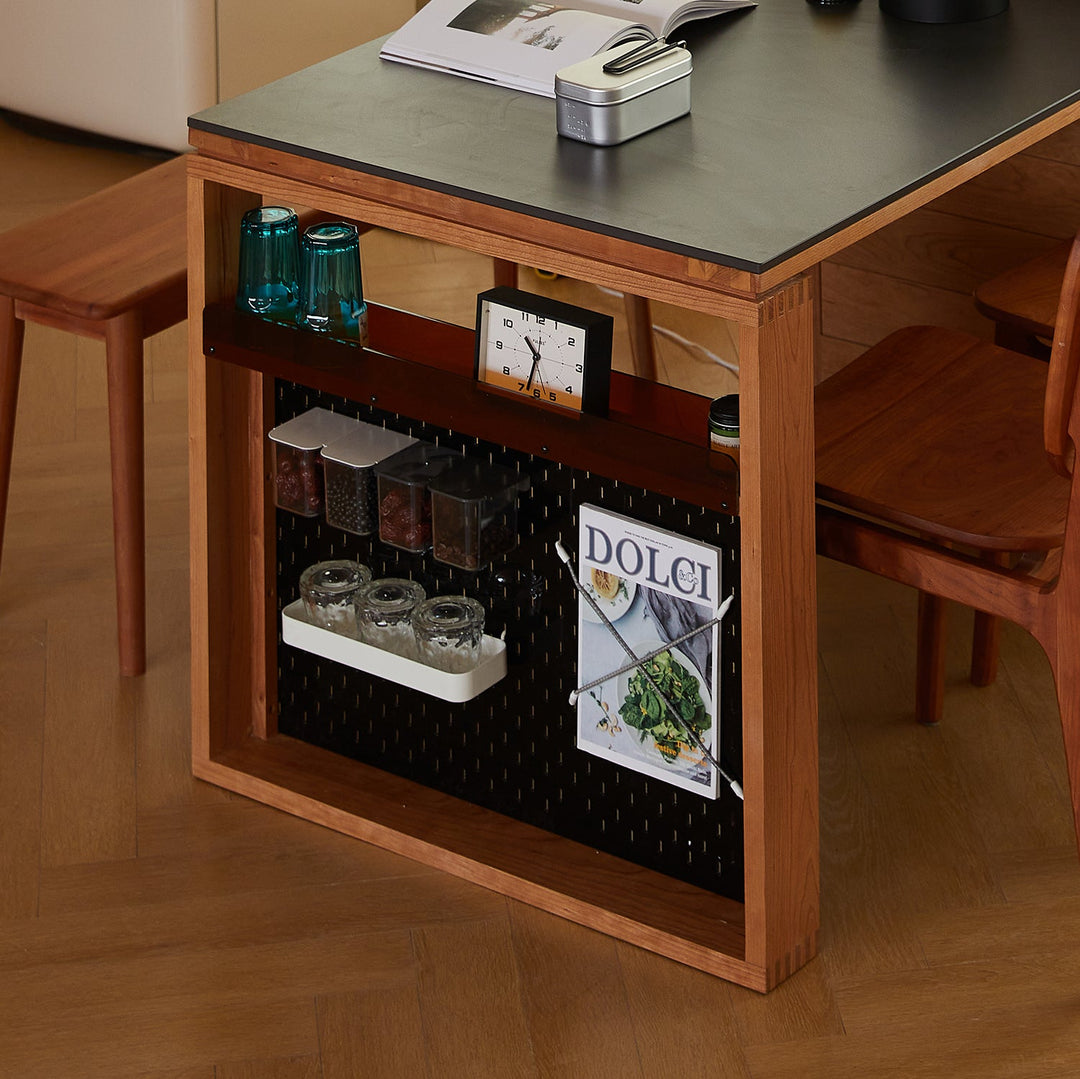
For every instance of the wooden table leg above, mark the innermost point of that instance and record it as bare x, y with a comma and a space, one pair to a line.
124, 358
779, 629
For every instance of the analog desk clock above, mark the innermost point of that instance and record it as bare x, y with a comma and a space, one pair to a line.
546, 352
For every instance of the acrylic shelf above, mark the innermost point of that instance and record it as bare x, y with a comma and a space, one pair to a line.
297, 631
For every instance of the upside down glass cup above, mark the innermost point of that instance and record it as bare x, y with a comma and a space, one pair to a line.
331, 289
269, 282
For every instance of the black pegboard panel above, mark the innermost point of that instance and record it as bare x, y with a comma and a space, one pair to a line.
512, 748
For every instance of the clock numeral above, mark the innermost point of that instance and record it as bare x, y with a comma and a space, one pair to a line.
506, 370
570, 342
553, 397
577, 368
509, 323
498, 344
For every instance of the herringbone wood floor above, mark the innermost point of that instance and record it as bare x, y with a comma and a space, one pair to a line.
154, 926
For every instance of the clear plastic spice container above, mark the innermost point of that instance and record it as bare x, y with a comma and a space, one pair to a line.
474, 513
449, 633
383, 612
349, 472
328, 589
404, 498
298, 476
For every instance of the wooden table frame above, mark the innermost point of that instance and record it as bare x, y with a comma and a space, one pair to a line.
235, 744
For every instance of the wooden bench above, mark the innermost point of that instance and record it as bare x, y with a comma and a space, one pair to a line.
112, 267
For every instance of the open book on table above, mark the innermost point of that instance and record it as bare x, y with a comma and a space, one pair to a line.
522, 43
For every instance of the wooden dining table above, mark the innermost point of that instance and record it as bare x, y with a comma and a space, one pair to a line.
810, 128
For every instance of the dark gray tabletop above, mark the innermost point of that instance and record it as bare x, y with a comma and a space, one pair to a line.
803, 121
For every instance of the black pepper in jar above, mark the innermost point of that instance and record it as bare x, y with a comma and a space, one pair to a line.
349, 469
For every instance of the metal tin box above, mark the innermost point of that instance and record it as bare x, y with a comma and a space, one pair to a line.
604, 108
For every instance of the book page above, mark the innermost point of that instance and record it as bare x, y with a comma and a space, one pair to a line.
517, 43
663, 16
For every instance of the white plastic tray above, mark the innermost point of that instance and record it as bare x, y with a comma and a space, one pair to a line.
300, 633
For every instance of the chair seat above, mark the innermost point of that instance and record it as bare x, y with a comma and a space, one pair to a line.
106, 254
907, 434
1025, 297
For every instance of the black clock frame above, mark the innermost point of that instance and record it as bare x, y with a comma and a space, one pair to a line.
597, 327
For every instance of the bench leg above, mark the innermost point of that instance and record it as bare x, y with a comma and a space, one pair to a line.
124, 360
11, 343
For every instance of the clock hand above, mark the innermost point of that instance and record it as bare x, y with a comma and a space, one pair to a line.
535, 364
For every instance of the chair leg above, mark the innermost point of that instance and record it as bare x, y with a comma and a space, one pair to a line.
1065, 663
986, 638
124, 359
11, 343
642, 349
985, 644
930, 659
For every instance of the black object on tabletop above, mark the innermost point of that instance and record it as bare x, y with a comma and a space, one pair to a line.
943, 10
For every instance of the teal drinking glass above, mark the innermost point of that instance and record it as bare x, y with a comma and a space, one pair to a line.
269, 283
331, 289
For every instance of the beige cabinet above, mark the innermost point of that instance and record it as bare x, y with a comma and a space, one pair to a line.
263, 40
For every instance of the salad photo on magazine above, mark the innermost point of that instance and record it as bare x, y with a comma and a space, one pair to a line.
521, 44
662, 593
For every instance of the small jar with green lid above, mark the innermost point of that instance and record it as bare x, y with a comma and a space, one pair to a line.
724, 426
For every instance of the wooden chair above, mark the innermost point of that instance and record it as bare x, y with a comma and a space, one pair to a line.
112, 267
948, 463
1022, 302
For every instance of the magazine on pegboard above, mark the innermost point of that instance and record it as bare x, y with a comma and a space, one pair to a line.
662, 594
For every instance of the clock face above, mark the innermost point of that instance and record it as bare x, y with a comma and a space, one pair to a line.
536, 356
545, 351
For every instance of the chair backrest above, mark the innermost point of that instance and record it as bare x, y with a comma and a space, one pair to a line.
1061, 414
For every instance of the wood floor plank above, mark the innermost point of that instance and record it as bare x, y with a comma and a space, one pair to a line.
372, 1035
225, 909
267, 860
934, 848
88, 784
22, 720
300, 1067
684, 1022
575, 998
856, 869
469, 983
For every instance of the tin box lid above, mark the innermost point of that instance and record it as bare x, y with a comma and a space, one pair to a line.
313, 429
588, 82
365, 446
